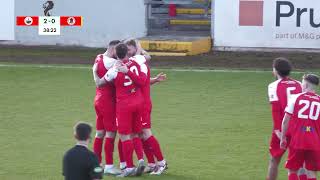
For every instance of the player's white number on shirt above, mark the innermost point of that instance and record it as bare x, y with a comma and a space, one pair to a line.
133, 69
289, 91
314, 110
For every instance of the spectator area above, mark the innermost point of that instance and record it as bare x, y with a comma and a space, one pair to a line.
178, 27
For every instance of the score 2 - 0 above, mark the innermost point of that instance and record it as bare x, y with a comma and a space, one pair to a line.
49, 25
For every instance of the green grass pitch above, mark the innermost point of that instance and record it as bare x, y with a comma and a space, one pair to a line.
211, 125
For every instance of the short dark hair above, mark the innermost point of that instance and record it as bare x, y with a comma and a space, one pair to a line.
282, 66
121, 50
312, 78
132, 42
114, 42
83, 131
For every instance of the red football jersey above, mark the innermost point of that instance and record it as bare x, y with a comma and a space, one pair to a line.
126, 86
145, 88
305, 124
104, 64
279, 92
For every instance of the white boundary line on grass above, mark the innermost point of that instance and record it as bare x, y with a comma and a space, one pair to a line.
156, 69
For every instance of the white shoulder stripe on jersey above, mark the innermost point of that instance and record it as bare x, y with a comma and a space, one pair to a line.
108, 62
272, 91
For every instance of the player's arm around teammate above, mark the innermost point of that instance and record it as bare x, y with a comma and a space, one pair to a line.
98, 81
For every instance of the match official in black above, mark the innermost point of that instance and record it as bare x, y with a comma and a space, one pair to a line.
79, 163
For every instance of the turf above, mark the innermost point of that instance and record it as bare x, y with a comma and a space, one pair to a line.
211, 125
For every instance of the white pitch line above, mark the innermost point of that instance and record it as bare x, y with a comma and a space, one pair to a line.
156, 69
43, 66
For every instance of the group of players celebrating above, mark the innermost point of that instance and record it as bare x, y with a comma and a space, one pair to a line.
296, 125
123, 105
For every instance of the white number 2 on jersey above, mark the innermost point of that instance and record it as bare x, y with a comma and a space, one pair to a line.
314, 110
128, 82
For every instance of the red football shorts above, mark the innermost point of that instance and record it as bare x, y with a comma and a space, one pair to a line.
129, 113
105, 114
274, 148
146, 117
296, 158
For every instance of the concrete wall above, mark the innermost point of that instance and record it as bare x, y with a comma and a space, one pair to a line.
103, 20
7, 20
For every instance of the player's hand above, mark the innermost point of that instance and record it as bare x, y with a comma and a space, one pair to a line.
283, 143
123, 68
95, 67
161, 77
278, 133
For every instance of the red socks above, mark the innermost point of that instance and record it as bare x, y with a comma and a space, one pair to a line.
127, 149
97, 147
149, 153
108, 150
154, 144
138, 147
293, 176
303, 177
120, 151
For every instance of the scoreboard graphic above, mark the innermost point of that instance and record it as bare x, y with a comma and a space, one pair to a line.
49, 25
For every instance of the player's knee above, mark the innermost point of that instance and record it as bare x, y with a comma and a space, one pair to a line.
311, 174
275, 160
302, 171
110, 134
135, 135
146, 134
100, 134
290, 171
124, 137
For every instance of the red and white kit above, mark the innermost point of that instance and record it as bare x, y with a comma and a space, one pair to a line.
105, 107
145, 89
104, 101
129, 106
279, 92
151, 145
304, 146
129, 97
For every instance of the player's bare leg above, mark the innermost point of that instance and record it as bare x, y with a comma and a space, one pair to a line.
138, 147
273, 168
293, 175
109, 168
97, 144
153, 143
127, 148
